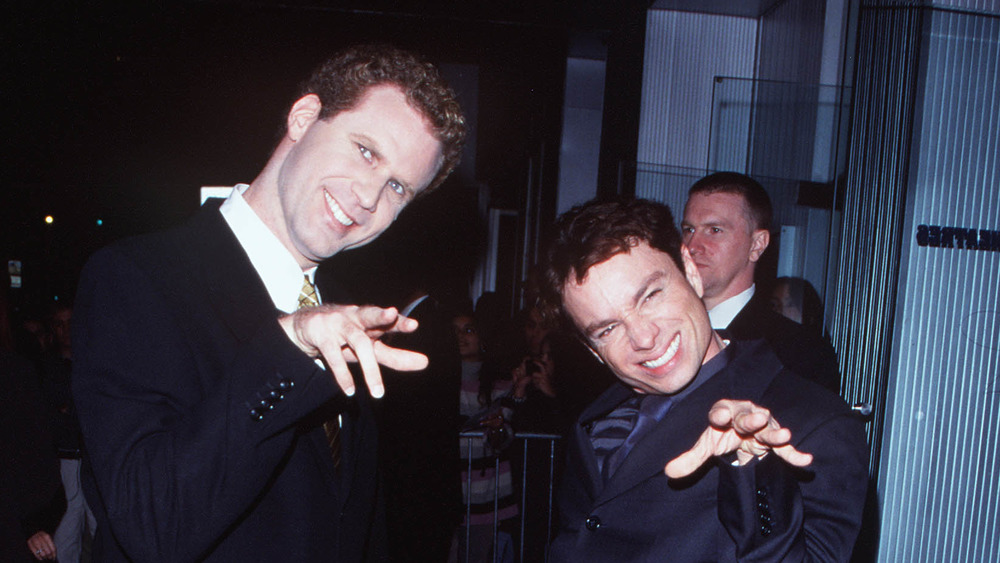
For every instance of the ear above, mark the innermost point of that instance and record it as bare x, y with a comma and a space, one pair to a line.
758, 243
691, 272
304, 113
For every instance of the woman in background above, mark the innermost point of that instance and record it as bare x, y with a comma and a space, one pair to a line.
484, 404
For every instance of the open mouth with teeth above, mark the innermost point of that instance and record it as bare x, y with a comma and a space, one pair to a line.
337, 212
667, 356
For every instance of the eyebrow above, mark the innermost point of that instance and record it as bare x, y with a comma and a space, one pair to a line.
711, 222
650, 279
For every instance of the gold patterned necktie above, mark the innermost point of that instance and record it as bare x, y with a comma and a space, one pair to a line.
308, 298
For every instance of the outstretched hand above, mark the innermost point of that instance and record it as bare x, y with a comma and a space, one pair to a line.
349, 333
741, 427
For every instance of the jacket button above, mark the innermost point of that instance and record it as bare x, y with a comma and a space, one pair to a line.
256, 415
593, 523
286, 384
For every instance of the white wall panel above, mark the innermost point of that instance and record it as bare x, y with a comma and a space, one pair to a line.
684, 53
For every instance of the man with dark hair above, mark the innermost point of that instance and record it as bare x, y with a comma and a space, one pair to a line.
726, 226
645, 479
218, 410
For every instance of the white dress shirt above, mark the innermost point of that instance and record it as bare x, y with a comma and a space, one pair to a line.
275, 265
724, 313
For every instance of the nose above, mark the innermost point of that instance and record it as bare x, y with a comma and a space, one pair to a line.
642, 333
694, 243
369, 191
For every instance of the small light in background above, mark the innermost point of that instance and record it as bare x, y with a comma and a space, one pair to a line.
100, 222
49, 219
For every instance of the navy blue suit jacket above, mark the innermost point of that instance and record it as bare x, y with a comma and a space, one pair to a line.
809, 355
765, 511
201, 420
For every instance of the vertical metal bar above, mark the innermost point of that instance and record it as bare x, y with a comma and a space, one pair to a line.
536, 235
524, 495
496, 506
552, 469
526, 243
468, 504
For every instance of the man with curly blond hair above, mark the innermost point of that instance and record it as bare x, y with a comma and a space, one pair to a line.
220, 417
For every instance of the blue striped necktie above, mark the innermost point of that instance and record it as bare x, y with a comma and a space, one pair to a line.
609, 433
615, 436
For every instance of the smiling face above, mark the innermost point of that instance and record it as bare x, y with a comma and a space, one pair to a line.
469, 348
725, 246
342, 181
642, 317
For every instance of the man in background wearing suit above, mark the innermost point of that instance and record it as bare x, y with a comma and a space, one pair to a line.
726, 228
212, 430
781, 469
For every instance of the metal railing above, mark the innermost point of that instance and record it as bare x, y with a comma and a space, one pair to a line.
520, 446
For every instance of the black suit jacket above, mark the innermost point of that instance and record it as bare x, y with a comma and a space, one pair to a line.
803, 352
200, 417
765, 511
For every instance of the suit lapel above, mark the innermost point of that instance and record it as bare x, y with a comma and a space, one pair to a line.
752, 320
236, 293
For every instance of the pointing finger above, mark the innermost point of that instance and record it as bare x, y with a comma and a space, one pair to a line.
399, 359
365, 354
341, 374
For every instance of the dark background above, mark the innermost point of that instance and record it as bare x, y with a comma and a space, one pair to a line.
121, 112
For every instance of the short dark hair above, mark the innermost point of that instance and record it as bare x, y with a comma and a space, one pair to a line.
754, 194
803, 294
597, 231
344, 78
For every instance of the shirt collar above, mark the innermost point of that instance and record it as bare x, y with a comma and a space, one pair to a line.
275, 265
724, 313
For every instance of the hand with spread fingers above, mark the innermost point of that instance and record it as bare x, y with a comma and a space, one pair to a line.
741, 427
349, 333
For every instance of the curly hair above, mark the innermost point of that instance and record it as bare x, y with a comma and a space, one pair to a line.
344, 78
597, 231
